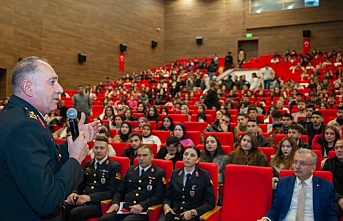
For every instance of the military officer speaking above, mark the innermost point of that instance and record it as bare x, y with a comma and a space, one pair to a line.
101, 180
143, 185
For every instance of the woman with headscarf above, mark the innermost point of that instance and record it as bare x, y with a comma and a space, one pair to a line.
148, 137
125, 131
180, 132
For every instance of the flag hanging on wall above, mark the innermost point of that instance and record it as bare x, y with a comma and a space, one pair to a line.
121, 61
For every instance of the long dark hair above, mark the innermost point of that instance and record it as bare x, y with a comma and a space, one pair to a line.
208, 157
171, 128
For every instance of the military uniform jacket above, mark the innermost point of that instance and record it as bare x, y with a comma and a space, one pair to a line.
147, 190
36, 174
197, 194
102, 183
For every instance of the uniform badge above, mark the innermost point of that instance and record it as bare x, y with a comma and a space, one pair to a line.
211, 182
164, 181
32, 115
118, 176
149, 188
192, 193
193, 187
196, 174
103, 180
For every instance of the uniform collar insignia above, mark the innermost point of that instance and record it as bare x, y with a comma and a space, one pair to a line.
32, 115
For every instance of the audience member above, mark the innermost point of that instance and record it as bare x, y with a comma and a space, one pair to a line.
148, 137
180, 132
125, 131
295, 131
136, 140
82, 103
172, 151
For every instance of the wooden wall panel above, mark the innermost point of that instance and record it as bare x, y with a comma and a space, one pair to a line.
59, 30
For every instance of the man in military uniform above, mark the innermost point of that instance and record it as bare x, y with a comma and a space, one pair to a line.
36, 173
101, 180
143, 185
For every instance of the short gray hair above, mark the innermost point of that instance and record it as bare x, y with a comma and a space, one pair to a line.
313, 155
27, 67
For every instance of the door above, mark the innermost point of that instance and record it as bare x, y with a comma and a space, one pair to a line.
250, 46
2, 83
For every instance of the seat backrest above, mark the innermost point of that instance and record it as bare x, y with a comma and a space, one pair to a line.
119, 147
327, 175
226, 138
268, 151
194, 136
278, 138
162, 134
124, 163
212, 168
153, 146
319, 155
166, 165
87, 158
196, 126
242, 184
179, 117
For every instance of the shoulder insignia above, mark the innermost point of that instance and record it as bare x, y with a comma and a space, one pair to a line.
164, 180
211, 182
152, 170
135, 168
32, 115
118, 176
179, 174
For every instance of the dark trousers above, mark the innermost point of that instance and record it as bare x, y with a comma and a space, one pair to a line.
123, 217
87, 116
76, 213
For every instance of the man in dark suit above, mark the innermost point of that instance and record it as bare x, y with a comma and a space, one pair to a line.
36, 173
316, 194
143, 185
101, 180
335, 165
211, 99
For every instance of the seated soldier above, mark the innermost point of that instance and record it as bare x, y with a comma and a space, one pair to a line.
143, 185
101, 179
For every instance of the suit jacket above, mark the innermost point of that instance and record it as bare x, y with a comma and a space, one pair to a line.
323, 199
102, 183
147, 190
197, 194
36, 174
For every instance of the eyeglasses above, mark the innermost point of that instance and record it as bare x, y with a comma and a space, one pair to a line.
302, 163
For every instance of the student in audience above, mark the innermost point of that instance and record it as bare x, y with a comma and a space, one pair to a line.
317, 126
141, 108
283, 159
172, 151
335, 166
185, 110
214, 153
247, 153
201, 117
118, 120
152, 114
108, 114
128, 116
190, 191
294, 131
148, 137
136, 140
97, 185
133, 104
141, 122
338, 121
242, 120
327, 141
180, 132
125, 131
164, 110
252, 127
201, 108
167, 124
223, 125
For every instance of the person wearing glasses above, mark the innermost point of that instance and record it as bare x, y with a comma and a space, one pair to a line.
335, 166
221, 125
190, 190
303, 194
101, 180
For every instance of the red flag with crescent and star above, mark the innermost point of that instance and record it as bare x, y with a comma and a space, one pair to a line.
306, 45
121, 61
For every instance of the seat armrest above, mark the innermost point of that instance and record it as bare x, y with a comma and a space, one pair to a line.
212, 214
105, 205
154, 207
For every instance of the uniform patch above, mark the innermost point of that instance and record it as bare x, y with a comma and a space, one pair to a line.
118, 176
103, 180
211, 182
32, 115
164, 181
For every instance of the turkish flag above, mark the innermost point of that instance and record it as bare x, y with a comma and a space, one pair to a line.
306, 45
121, 61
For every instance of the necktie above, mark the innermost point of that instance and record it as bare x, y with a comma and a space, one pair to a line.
97, 166
188, 178
301, 203
142, 171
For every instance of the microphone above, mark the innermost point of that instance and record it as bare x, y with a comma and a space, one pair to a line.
72, 115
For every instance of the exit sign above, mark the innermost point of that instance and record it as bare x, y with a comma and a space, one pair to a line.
248, 35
